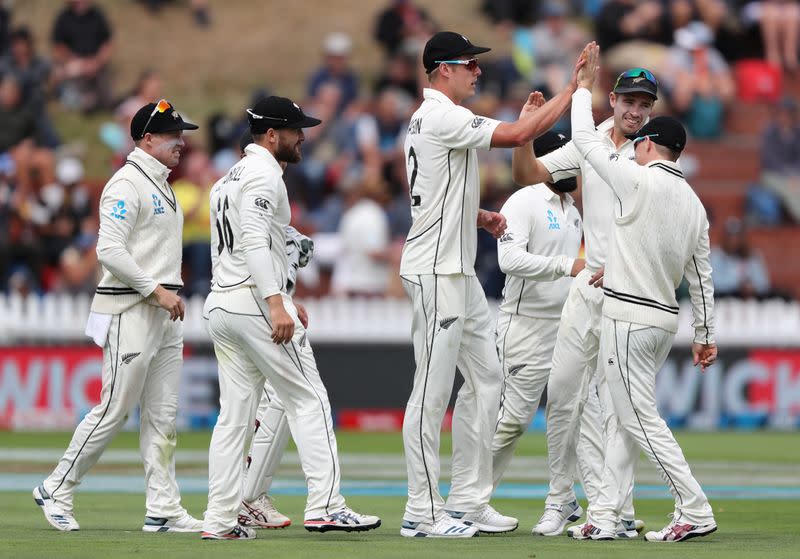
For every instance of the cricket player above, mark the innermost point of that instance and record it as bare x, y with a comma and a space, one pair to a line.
659, 236
257, 333
451, 325
574, 410
271, 427
539, 255
134, 318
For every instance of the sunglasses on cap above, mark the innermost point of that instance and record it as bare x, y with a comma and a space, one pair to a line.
162, 106
262, 117
637, 73
640, 138
471, 64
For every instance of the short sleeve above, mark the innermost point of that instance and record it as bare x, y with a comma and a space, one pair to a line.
563, 163
460, 128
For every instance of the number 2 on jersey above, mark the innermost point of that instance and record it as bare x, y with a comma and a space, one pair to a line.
224, 230
415, 200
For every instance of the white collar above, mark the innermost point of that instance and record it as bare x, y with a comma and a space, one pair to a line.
263, 153
150, 165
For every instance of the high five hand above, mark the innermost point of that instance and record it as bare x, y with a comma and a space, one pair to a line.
587, 73
535, 100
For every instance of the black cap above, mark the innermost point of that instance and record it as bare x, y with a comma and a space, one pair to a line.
446, 45
549, 141
158, 118
637, 80
665, 131
278, 112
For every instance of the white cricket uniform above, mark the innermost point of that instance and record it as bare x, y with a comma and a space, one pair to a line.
575, 400
139, 247
536, 253
451, 324
272, 428
249, 213
659, 237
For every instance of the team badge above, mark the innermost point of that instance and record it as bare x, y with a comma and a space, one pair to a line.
119, 211
158, 207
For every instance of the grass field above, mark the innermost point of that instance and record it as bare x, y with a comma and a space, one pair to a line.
111, 522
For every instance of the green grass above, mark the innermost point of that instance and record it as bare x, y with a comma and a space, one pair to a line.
111, 523
111, 528
756, 446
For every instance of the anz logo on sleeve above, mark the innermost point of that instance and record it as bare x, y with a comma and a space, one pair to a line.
119, 211
158, 208
552, 220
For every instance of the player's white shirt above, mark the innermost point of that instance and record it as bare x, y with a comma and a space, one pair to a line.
364, 230
249, 214
537, 251
444, 184
599, 202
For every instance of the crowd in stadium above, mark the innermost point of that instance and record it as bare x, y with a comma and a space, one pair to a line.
350, 190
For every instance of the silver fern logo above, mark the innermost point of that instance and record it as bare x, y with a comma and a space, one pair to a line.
128, 357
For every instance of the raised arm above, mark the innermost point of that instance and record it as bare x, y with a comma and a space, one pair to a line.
539, 119
621, 174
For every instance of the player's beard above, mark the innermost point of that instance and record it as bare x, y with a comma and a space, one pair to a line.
288, 151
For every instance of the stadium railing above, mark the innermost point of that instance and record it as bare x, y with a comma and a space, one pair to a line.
60, 319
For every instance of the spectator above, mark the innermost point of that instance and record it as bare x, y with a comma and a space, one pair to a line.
148, 89
18, 138
633, 33
82, 51
336, 69
79, 271
698, 81
199, 10
510, 13
362, 268
557, 42
780, 157
779, 21
739, 271
400, 22
32, 71
399, 73
192, 192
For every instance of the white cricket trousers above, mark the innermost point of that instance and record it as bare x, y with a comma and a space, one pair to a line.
576, 409
142, 361
525, 347
269, 442
246, 356
632, 356
451, 327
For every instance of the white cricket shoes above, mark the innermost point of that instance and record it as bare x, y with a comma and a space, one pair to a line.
58, 518
345, 520
626, 529
678, 532
444, 527
588, 531
487, 519
261, 513
184, 523
237, 533
556, 518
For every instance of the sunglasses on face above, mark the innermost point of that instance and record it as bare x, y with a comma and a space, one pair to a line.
161, 106
471, 64
637, 73
641, 138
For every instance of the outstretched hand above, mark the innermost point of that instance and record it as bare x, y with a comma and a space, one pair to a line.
535, 100
586, 73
